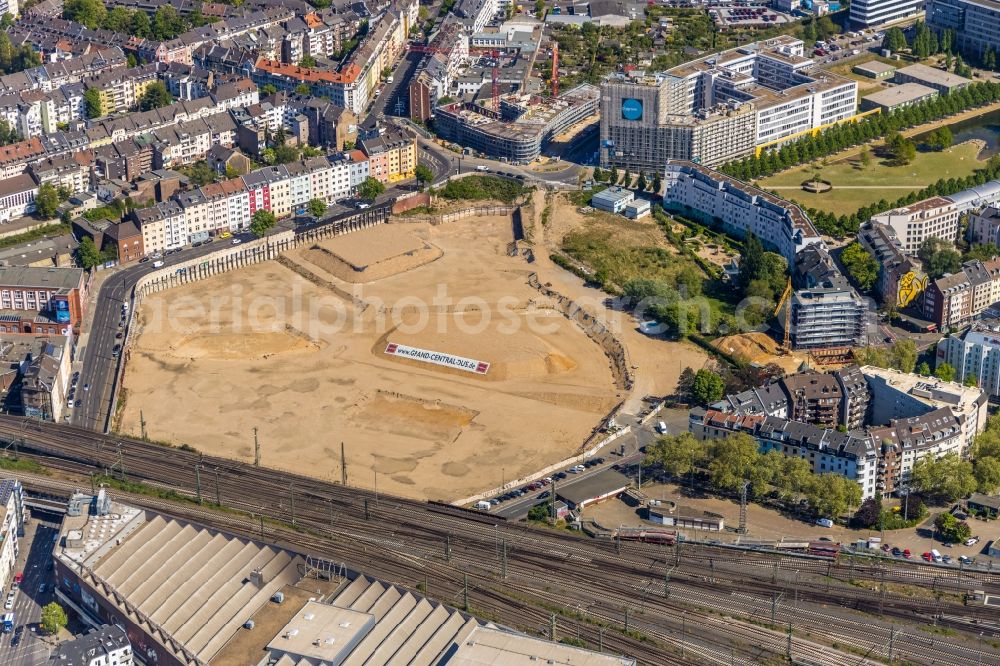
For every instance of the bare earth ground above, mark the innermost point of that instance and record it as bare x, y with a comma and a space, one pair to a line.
258, 348
761, 348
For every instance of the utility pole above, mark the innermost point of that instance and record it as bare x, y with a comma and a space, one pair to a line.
626, 621
666, 583
789, 648
262, 525
465, 594
218, 494
368, 514
683, 632
374, 469
256, 448
447, 548
343, 466
892, 640
503, 562
197, 479
600, 639
881, 595
552, 627
331, 513
142, 424
743, 508
291, 501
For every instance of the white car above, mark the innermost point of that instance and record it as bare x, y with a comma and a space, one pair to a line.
9, 604
236, 241
972, 541
482, 167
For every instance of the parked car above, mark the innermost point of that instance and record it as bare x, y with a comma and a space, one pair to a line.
824, 522
972, 541
9, 603
964, 559
907, 554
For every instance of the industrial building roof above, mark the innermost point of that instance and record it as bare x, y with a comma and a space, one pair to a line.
189, 587
875, 67
487, 645
901, 95
934, 76
613, 194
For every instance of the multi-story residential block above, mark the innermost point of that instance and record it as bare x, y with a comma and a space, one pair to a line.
827, 313
107, 645
900, 278
976, 23
45, 379
42, 301
70, 172
873, 13
913, 224
740, 208
163, 226
11, 528
392, 156
984, 226
698, 108
975, 353
435, 74
14, 159
476, 13
953, 301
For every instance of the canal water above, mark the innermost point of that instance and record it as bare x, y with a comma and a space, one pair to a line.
986, 128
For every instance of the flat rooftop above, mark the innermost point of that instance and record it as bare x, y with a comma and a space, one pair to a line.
596, 485
931, 390
904, 93
42, 278
934, 75
875, 67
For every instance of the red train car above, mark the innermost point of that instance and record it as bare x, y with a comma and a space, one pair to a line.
824, 549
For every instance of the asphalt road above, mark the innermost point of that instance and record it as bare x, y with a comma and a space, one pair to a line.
394, 98
36, 555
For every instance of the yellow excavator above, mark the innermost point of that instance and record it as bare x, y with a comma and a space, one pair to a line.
786, 302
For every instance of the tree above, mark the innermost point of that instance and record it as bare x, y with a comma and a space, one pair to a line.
46, 201
952, 529
370, 188
268, 89
708, 387
982, 252
141, 26
539, 512
657, 184
642, 185
87, 254
860, 265
940, 139
939, 257
903, 355
895, 40
678, 455
613, 178
90, 13
987, 472
868, 513
539, 9
307, 61
155, 96
752, 260
92, 103
945, 372
924, 369
303, 89
261, 221
283, 154
866, 157
685, 383
948, 477
732, 459
971, 381
201, 174
423, 174
831, 495
316, 207
53, 618
167, 23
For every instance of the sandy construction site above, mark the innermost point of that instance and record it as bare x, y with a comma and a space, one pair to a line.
485, 380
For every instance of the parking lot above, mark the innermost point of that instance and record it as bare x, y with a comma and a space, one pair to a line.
24, 646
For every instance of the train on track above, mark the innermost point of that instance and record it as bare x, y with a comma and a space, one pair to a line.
646, 535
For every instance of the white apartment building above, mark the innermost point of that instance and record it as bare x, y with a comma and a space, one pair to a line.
913, 224
975, 353
984, 226
701, 192
163, 226
896, 395
873, 13
11, 526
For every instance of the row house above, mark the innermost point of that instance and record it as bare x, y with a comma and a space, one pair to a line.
71, 172
163, 226
53, 75
189, 142
14, 158
121, 90
954, 301
123, 160
392, 156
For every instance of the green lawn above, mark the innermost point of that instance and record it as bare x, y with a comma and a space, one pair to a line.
854, 186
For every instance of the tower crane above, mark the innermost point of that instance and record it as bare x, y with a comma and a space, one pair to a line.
786, 302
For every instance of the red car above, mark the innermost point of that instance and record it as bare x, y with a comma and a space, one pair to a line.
907, 554
927, 556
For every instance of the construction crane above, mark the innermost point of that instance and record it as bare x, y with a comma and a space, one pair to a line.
496, 81
786, 302
555, 69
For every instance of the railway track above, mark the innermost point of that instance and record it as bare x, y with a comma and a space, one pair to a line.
418, 542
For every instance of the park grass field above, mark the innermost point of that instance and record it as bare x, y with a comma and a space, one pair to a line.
855, 186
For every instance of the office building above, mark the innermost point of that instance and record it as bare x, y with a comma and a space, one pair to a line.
613, 199
699, 111
874, 13
898, 97
932, 77
976, 23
